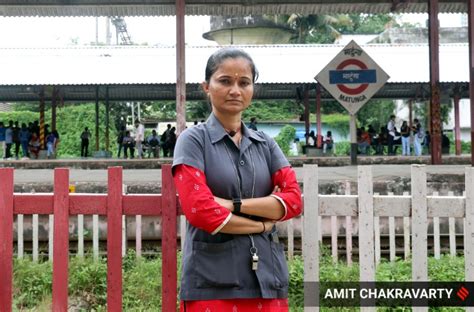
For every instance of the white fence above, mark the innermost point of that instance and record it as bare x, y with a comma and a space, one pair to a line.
369, 208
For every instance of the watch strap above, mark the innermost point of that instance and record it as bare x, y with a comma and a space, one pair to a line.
237, 204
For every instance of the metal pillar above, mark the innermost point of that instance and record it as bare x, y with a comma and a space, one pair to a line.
96, 31
41, 121
108, 33
136, 111
410, 113
353, 134
319, 135
306, 112
457, 125
435, 106
54, 105
470, 11
180, 68
107, 119
97, 118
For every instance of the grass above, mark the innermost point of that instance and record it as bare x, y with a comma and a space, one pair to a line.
142, 282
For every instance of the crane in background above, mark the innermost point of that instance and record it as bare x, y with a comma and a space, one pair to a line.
121, 31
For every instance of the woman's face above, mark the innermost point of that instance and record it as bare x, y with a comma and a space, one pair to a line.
230, 88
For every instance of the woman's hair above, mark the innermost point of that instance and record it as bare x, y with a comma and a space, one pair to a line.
218, 57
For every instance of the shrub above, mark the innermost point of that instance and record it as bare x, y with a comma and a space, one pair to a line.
285, 138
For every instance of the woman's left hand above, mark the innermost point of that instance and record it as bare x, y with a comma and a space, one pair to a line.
226, 203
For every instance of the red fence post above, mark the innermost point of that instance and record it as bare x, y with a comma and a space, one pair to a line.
168, 240
6, 238
114, 240
61, 239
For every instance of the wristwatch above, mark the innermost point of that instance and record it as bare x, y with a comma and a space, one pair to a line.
237, 204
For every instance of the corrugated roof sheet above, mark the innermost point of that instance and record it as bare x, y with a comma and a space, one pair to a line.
157, 65
216, 7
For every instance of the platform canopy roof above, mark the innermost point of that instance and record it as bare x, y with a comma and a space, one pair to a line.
138, 73
217, 7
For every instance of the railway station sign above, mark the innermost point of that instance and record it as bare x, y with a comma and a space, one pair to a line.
352, 77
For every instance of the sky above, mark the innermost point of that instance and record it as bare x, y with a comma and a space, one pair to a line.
63, 31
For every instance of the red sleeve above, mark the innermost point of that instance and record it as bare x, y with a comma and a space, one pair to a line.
197, 201
290, 193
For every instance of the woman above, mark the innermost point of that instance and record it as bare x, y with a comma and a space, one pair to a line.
405, 133
234, 184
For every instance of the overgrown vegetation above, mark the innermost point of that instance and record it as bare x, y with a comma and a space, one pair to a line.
285, 138
88, 284
142, 280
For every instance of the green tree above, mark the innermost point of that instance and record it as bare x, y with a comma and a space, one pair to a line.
285, 137
274, 110
312, 28
421, 111
332, 107
375, 113
368, 23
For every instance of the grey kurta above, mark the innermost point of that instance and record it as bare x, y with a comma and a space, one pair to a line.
219, 266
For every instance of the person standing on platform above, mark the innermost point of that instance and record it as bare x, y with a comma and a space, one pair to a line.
139, 137
120, 136
9, 139
391, 134
25, 140
419, 135
405, 133
85, 137
328, 143
171, 141
234, 184
2, 139
164, 140
16, 139
50, 145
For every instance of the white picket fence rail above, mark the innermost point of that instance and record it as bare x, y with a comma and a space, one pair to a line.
415, 209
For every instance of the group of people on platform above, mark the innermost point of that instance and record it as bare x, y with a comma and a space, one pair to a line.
326, 142
131, 142
128, 142
14, 136
392, 137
